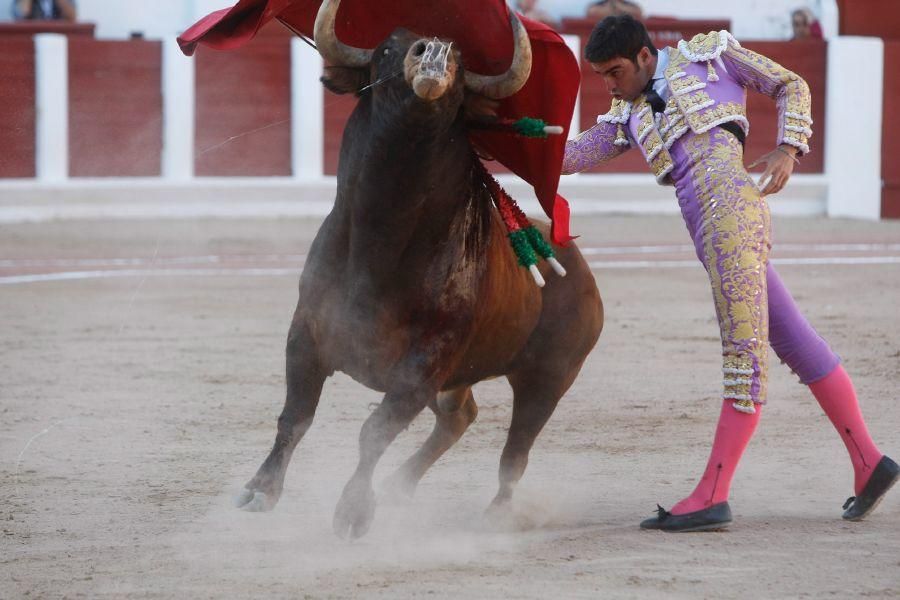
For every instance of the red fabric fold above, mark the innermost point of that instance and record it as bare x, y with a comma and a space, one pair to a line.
482, 33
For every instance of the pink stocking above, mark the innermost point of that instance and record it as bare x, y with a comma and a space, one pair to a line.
733, 433
837, 398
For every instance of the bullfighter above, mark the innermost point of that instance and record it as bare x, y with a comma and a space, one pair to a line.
685, 108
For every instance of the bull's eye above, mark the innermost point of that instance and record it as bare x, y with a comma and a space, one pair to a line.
419, 50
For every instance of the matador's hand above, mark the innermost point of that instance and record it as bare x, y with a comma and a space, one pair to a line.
779, 166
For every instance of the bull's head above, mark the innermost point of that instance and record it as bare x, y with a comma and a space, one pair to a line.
430, 67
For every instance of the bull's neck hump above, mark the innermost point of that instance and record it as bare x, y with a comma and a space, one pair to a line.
405, 197
407, 167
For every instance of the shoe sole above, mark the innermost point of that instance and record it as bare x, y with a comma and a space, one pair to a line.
708, 527
721, 526
874, 504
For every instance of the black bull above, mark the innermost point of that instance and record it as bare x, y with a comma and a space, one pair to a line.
411, 287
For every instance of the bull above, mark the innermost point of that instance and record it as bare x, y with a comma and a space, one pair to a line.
410, 286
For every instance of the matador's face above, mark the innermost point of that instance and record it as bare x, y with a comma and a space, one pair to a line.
626, 79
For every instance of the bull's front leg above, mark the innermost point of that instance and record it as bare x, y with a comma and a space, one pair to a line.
356, 508
305, 377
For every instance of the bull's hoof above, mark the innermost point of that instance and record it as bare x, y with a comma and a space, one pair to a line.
498, 514
354, 512
501, 517
398, 488
254, 501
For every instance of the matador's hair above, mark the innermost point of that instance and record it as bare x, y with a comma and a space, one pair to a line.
618, 36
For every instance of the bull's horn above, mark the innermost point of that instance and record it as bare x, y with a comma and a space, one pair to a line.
507, 84
331, 48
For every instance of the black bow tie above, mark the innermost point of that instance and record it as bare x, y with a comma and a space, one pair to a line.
656, 102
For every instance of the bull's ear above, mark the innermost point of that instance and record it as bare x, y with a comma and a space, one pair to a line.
480, 107
345, 80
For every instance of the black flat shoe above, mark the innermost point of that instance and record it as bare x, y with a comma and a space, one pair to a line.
883, 478
714, 518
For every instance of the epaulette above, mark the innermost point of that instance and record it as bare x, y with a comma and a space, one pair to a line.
619, 113
705, 47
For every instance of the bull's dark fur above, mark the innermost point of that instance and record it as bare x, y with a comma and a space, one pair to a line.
411, 288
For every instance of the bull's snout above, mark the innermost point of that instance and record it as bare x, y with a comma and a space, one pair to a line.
430, 68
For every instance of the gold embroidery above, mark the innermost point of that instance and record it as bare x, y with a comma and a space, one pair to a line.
670, 124
646, 121
662, 165
693, 100
670, 136
704, 120
644, 129
684, 82
619, 112
706, 46
655, 150
735, 230
676, 61
768, 77
592, 147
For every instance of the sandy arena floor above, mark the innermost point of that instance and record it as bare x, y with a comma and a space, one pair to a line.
142, 373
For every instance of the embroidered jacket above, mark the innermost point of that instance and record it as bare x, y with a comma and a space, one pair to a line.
707, 79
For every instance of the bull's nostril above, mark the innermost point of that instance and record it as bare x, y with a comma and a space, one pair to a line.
419, 49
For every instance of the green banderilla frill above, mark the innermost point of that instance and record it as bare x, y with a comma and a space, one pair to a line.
529, 127
522, 247
538, 242
527, 242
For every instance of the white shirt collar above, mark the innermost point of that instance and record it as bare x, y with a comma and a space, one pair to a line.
659, 77
662, 61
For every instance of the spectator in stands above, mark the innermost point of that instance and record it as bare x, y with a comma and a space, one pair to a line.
805, 24
607, 8
44, 9
530, 10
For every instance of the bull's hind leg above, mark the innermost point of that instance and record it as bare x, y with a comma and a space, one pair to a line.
356, 508
571, 320
454, 411
536, 392
305, 377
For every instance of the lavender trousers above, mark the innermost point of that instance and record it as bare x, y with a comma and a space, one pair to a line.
728, 221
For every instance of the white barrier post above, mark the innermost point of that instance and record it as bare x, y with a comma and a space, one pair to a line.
52, 106
178, 112
853, 127
307, 112
574, 44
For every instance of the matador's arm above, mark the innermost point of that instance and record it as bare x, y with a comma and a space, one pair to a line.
598, 144
789, 90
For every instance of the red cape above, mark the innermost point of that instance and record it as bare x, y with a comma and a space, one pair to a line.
480, 30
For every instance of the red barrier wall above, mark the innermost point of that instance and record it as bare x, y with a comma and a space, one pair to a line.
26, 29
665, 31
877, 18
115, 108
17, 126
890, 132
245, 93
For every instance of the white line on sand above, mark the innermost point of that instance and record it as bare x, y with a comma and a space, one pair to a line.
668, 249
215, 259
681, 264
275, 272
73, 275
